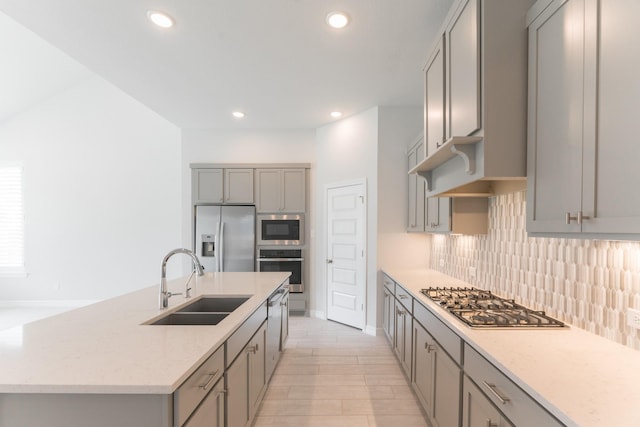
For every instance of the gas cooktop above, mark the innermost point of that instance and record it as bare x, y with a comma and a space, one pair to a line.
482, 309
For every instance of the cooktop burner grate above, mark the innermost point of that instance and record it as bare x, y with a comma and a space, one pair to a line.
482, 309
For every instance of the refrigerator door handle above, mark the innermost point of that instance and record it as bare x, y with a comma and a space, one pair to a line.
221, 251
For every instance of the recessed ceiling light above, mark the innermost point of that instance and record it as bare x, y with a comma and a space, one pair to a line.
337, 19
161, 19
238, 114
336, 114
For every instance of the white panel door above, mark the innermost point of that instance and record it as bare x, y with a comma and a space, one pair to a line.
346, 273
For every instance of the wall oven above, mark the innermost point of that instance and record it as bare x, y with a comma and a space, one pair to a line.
283, 259
280, 229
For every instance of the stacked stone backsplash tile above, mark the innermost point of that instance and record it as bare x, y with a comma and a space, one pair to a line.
586, 283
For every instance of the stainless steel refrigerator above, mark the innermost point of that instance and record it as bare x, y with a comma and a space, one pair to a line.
225, 237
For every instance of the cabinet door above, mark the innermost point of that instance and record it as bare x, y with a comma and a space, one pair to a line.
210, 413
207, 186
284, 333
267, 190
446, 385
555, 125
238, 186
611, 157
412, 192
386, 313
237, 377
438, 215
403, 331
434, 100
293, 190
477, 410
416, 190
463, 48
257, 368
422, 378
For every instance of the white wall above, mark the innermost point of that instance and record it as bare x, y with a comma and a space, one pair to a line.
102, 193
370, 145
346, 150
397, 128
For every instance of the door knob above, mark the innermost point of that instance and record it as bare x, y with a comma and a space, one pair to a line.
329, 261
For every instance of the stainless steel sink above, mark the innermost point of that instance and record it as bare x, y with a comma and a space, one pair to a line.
217, 304
203, 311
191, 319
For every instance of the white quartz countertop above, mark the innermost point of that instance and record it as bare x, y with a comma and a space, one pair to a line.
106, 348
581, 378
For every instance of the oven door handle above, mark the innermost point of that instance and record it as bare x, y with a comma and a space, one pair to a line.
280, 259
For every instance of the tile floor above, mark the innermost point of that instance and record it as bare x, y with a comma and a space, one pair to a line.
332, 375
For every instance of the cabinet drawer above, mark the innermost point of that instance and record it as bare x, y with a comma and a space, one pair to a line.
189, 395
517, 405
243, 334
388, 283
405, 298
447, 339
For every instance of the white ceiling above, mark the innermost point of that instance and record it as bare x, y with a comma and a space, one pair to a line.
276, 60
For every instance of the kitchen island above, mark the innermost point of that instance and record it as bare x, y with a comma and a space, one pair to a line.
102, 363
579, 378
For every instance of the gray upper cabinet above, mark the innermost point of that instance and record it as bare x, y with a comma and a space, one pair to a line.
218, 185
416, 201
280, 190
582, 111
238, 186
463, 53
434, 99
207, 185
475, 98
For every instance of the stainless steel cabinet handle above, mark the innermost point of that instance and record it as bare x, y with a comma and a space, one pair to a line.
490, 424
430, 347
212, 376
492, 389
578, 218
253, 349
402, 296
581, 217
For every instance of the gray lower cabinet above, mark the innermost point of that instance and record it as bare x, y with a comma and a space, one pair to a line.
516, 405
436, 376
246, 381
284, 333
200, 394
387, 314
210, 413
477, 409
456, 386
403, 328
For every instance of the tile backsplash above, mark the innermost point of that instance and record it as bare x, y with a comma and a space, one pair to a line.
586, 283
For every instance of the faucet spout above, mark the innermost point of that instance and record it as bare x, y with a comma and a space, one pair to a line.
164, 294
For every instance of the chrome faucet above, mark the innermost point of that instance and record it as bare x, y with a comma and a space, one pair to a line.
164, 294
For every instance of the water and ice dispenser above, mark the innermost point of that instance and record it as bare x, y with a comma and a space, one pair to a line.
208, 245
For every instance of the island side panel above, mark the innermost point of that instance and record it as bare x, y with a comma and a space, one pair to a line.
82, 410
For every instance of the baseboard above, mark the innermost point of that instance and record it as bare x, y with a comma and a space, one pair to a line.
46, 303
318, 314
372, 330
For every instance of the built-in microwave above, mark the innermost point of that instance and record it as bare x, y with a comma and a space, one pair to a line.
280, 229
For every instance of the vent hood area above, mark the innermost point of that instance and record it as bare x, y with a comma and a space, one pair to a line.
468, 167
475, 101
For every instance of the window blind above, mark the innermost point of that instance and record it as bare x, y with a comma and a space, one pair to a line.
11, 220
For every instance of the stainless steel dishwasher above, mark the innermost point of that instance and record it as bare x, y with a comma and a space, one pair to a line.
274, 329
